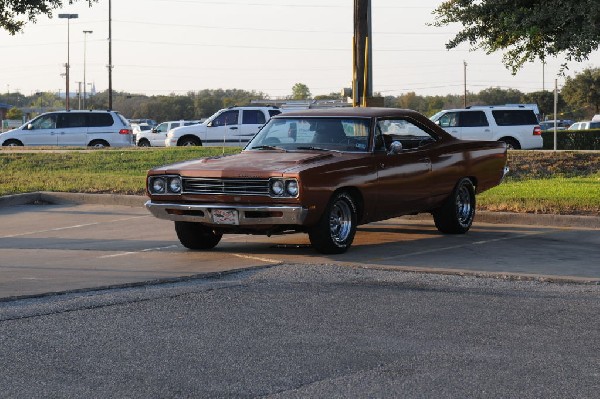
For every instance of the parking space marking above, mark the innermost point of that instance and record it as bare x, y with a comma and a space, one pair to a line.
77, 226
429, 251
137, 252
275, 261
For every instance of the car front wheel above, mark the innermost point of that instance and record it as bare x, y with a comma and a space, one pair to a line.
456, 215
196, 236
336, 229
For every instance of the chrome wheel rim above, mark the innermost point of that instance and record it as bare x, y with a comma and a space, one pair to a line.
464, 206
340, 221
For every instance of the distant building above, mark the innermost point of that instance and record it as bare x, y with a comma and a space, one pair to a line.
4, 109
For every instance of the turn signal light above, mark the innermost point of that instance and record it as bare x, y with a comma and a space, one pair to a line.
537, 131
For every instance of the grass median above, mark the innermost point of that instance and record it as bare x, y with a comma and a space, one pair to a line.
539, 181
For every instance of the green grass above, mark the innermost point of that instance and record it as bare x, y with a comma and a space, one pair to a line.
560, 195
539, 182
99, 171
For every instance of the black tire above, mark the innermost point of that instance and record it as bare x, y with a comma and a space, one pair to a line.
98, 144
196, 236
143, 143
511, 143
189, 141
12, 143
456, 215
336, 229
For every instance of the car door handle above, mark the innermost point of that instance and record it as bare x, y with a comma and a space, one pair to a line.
233, 128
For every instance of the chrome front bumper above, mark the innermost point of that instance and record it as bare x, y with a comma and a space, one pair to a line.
244, 215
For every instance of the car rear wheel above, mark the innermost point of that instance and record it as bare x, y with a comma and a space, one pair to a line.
98, 144
196, 236
511, 143
456, 215
336, 229
12, 143
189, 141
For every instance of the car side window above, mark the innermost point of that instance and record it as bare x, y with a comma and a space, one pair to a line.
44, 122
403, 131
100, 120
226, 118
161, 128
253, 117
473, 119
514, 117
449, 119
174, 125
71, 120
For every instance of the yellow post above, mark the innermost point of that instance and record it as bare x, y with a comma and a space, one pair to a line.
366, 77
354, 99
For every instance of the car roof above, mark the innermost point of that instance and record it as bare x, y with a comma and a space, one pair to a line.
365, 112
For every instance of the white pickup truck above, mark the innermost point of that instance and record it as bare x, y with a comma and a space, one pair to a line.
233, 126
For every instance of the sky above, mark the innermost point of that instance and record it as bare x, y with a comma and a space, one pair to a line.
161, 47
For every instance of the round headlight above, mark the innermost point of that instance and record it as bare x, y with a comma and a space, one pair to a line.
175, 185
158, 185
277, 187
292, 188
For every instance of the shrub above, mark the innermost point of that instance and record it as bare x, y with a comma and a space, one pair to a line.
572, 139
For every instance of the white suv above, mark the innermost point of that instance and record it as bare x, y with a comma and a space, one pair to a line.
72, 128
233, 126
517, 126
157, 135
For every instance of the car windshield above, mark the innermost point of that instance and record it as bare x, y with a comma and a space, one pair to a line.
319, 134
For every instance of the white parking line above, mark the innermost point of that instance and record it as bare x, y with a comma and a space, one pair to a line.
429, 251
137, 252
77, 226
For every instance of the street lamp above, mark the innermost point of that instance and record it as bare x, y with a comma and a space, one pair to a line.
69, 17
85, 33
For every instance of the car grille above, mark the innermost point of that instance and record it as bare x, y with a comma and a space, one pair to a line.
226, 186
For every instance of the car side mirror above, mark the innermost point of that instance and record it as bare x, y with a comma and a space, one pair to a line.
395, 147
154, 130
29, 126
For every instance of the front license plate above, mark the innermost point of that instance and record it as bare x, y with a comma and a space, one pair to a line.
225, 216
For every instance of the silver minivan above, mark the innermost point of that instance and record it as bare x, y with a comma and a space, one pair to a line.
72, 128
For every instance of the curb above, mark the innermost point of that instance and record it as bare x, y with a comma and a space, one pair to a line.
529, 219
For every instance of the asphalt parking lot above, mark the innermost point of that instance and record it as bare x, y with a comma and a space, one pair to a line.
407, 312
48, 248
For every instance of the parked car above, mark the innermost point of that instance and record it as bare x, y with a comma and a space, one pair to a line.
72, 128
324, 172
150, 122
517, 126
232, 126
585, 125
561, 124
137, 128
157, 135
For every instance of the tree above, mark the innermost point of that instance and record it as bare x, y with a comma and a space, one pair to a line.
583, 90
545, 102
300, 91
14, 113
498, 96
524, 30
14, 14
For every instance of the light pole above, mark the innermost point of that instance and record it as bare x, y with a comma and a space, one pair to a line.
69, 17
85, 33
110, 55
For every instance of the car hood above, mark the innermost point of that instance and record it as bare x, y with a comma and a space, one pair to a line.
249, 164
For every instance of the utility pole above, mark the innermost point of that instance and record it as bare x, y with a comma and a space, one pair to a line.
362, 82
465, 83
110, 55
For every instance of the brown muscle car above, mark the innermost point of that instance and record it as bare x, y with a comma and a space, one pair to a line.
324, 172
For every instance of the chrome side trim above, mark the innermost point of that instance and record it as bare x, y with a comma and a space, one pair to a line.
293, 215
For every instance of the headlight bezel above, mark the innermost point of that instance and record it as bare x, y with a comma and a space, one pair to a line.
284, 187
168, 185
